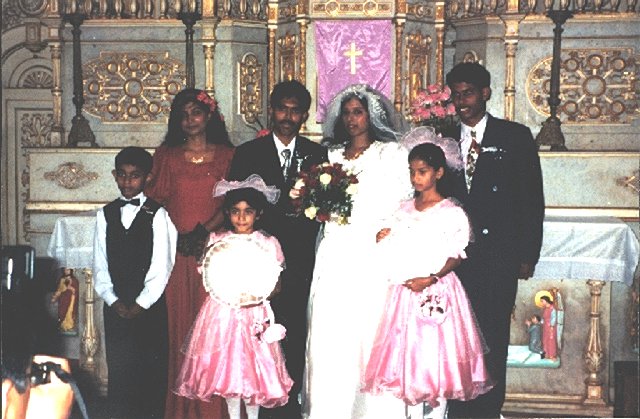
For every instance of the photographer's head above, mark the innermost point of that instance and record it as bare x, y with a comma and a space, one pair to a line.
27, 333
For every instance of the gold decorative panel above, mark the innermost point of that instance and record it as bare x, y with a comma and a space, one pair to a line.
132, 87
287, 50
596, 86
250, 88
352, 8
418, 51
71, 175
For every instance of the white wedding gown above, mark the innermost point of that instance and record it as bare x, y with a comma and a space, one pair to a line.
347, 295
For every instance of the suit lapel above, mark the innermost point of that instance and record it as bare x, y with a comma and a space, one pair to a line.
489, 138
273, 161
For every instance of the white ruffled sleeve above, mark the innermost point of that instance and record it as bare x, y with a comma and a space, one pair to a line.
459, 238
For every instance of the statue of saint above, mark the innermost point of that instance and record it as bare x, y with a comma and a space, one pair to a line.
67, 298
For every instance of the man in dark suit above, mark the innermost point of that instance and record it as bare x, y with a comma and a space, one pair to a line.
277, 158
501, 191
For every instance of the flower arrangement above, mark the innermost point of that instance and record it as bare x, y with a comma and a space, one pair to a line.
325, 192
433, 107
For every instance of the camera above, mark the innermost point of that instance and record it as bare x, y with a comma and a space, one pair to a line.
41, 373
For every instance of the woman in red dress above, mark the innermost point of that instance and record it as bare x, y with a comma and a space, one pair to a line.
195, 154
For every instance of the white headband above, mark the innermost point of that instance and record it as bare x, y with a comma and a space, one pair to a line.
253, 181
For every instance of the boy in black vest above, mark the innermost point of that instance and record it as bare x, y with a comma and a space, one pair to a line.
134, 251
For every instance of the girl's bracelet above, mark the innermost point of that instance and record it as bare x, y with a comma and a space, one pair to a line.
434, 276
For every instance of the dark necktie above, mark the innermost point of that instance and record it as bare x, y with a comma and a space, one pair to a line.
286, 153
124, 202
472, 157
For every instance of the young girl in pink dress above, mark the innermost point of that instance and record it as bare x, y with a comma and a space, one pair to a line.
232, 349
428, 346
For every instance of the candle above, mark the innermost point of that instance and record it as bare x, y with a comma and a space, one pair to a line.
9, 272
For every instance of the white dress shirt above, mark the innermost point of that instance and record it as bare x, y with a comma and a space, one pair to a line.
280, 146
162, 259
465, 136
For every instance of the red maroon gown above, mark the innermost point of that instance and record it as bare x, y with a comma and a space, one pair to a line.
186, 191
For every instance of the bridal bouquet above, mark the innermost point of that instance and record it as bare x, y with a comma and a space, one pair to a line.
325, 192
433, 107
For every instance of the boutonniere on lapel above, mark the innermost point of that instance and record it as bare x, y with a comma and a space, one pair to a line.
298, 160
146, 209
497, 152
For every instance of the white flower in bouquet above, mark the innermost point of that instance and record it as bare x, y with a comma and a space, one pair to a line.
311, 212
325, 179
352, 189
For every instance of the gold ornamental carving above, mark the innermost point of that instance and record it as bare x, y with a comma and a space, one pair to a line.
287, 52
35, 129
251, 91
287, 11
596, 86
632, 182
352, 8
37, 79
420, 10
71, 175
132, 87
418, 51
90, 339
594, 354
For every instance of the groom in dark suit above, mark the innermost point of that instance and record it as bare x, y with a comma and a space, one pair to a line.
501, 191
277, 157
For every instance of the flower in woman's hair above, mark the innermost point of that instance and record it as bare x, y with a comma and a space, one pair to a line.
203, 97
263, 132
325, 192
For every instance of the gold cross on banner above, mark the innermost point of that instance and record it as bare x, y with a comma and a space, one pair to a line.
352, 53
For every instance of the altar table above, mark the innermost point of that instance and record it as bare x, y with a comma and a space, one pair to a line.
602, 248
596, 250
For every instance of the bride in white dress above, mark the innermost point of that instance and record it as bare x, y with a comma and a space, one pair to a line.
347, 294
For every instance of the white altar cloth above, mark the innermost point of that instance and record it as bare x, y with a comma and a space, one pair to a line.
601, 248
71, 242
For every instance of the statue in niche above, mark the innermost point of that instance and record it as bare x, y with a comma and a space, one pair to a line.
66, 296
545, 334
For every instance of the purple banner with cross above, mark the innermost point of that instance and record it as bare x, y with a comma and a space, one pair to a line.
349, 52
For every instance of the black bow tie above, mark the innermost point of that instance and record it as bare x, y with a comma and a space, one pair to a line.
124, 202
